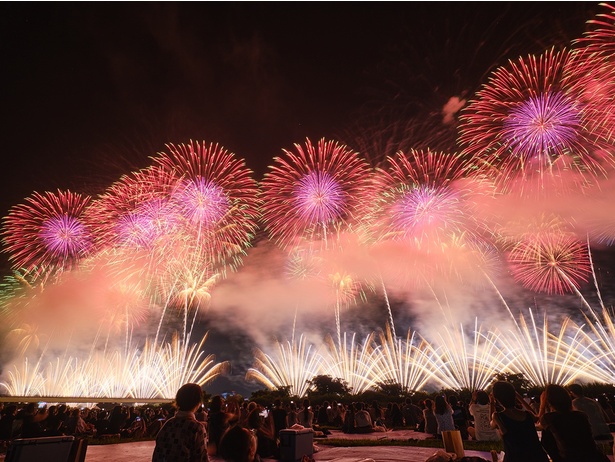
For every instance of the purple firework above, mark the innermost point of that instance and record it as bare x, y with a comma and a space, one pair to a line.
314, 192
135, 212
215, 196
421, 198
532, 118
47, 234
541, 124
202, 201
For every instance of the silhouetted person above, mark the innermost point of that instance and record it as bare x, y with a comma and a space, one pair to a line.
517, 427
182, 437
238, 444
278, 413
571, 432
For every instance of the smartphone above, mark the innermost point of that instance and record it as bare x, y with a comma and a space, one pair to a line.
264, 413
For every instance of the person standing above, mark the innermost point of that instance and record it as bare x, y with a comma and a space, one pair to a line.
182, 437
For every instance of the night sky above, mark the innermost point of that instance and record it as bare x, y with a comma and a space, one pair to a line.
90, 90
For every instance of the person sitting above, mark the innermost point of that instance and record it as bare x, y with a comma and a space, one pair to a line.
397, 417
306, 416
348, 426
6, 422
217, 422
238, 444
376, 413
567, 434
182, 437
117, 420
431, 424
333, 414
32, 419
362, 420
292, 416
515, 425
278, 415
444, 415
597, 419
481, 410
263, 428
413, 415
76, 425
460, 416
322, 417
605, 404
102, 424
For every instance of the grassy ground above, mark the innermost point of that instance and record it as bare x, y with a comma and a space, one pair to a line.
428, 443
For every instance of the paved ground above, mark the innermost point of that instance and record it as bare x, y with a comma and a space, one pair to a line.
142, 451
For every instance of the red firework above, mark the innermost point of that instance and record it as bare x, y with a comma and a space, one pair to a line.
551, 262
600, 39
532, 118
314, 193
595, 66
421, 198
46, 234
135, 212
215, 196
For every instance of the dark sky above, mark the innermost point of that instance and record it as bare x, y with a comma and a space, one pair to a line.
90, 90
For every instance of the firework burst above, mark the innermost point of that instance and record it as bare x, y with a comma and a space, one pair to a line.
551, 262
530, 121
215, 195
596, 69
293, 365
313, 193
602, 344
47, 234
352, 362
421, 199
459, 363
544, 357
134, 213
406, 362
155, 371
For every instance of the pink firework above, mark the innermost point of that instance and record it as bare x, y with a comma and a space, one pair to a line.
135, 212
551, 262
532, 119
215, 196
47, 233
314, 193
600, 39
595, 67
421, 198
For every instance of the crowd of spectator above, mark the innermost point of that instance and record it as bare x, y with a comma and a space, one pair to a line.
562, 414
35, 420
